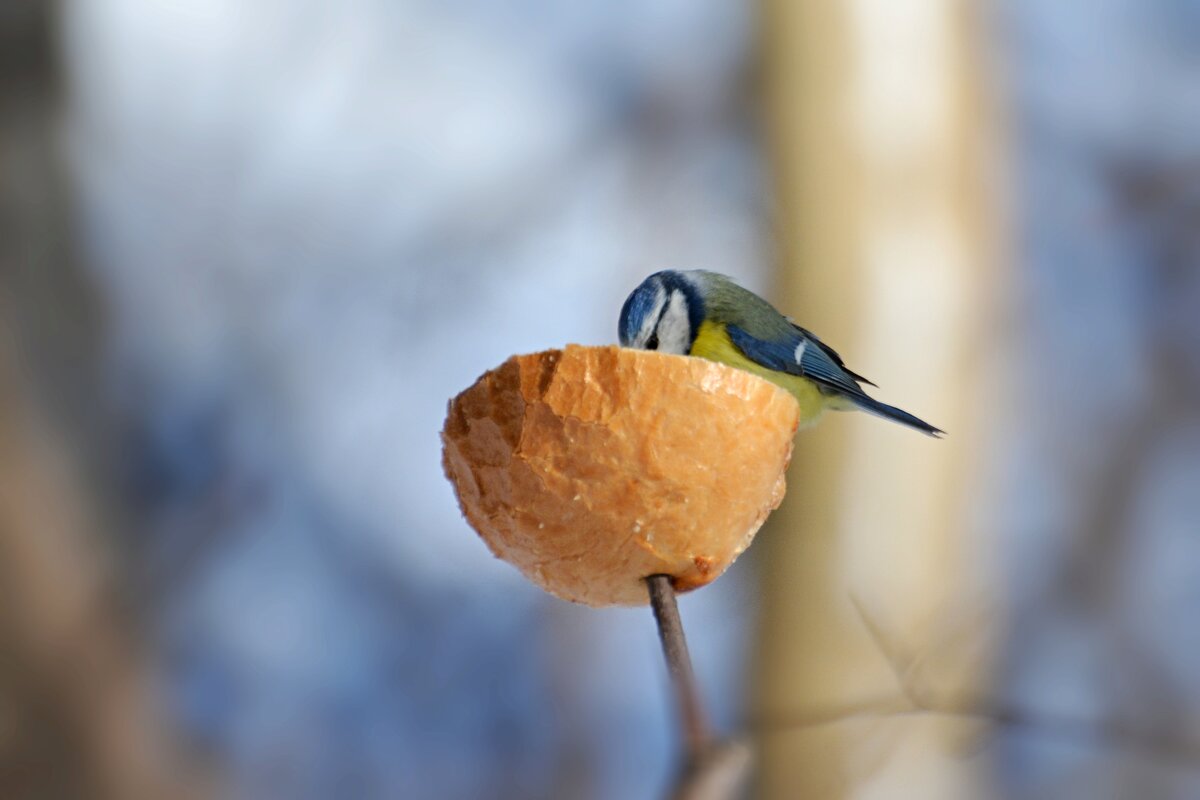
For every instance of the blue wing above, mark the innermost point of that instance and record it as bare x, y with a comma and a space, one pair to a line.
829, 351
805, 355
800, 354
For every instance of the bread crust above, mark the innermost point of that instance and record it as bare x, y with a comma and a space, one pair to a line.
592, 468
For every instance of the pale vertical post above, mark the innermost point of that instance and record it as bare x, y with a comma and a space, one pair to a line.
877, 134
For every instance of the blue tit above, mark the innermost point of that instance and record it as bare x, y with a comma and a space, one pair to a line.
704, 314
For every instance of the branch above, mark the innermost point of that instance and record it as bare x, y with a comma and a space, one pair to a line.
713, 770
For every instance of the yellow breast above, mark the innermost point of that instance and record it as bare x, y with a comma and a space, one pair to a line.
713, 342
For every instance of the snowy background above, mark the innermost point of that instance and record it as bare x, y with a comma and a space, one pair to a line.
302, 226
314, 223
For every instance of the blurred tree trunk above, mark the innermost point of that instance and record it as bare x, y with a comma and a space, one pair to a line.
76, 719
874, 118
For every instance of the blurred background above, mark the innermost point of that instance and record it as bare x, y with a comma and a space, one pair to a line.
249, 250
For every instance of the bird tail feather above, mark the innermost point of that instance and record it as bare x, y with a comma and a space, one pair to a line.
873, 406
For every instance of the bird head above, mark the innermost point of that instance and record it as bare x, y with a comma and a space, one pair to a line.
663, 313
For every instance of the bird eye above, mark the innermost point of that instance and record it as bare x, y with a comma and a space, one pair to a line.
652, 342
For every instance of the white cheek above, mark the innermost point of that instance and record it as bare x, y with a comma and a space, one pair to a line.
660, 299
674, 331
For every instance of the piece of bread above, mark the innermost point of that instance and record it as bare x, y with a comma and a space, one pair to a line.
592, 468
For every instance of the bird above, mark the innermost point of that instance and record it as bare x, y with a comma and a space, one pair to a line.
708, 315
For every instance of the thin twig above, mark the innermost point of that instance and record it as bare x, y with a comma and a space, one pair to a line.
918, 701
714, 770
697, 734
